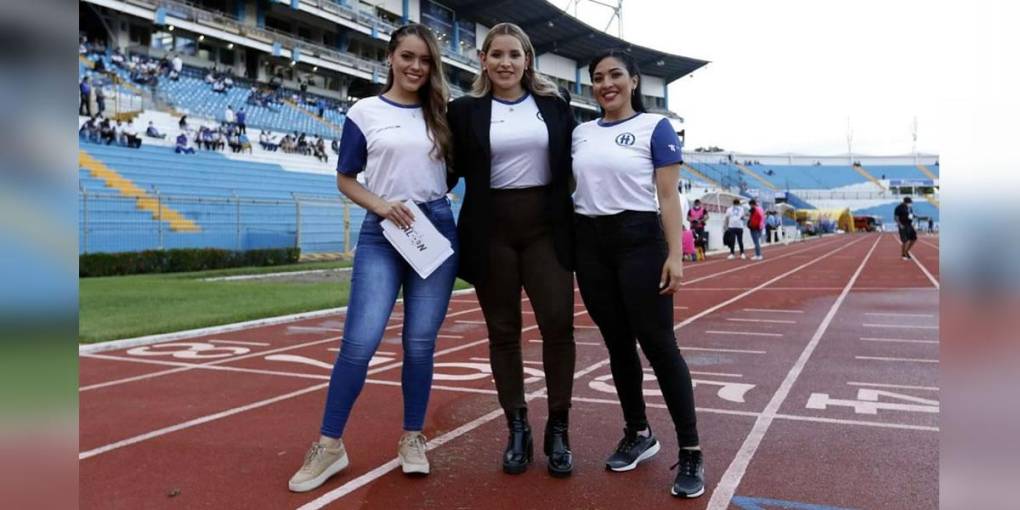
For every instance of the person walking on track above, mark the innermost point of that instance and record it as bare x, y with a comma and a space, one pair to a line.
904, 214
401, 141
512, 146
630, 259
735, 218
755, 224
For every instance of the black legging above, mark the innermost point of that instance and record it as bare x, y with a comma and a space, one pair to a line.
619, 263
521, 254
737, 235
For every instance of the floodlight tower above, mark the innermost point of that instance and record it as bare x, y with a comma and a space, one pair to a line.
914, 135
615, 5
849, 142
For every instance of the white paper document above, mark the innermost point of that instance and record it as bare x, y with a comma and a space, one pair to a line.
421, 245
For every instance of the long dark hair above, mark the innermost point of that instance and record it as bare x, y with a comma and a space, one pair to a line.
434, 94
632, 69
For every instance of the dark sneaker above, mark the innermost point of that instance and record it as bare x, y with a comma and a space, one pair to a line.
690, 477
631, 450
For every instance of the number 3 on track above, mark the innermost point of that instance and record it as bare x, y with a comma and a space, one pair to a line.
189, 350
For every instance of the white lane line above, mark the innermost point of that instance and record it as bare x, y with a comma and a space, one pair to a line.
764, 321
470, 322
377, 353
236, 342
747, 266
381, 470
742, 333
931, 278
220, 368
681, 307
274, 275
450, 336
890, 314
772, 310
746, 293
585, 326
894, 386
186, 368
723, 493
898, 340
877, 424
458, 389
715, 374
314, 329
575, 342
197, 421
526, 362
898, 326
711, 349
883, 358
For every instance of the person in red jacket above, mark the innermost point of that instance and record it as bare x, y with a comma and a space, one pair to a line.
756, 223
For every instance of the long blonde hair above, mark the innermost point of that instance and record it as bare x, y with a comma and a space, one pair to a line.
433, 95
531, 81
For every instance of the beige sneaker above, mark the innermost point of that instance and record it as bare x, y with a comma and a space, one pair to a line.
320, 464
412, 453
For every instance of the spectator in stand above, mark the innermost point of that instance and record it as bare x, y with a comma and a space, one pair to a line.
203, 139
245, 144
182, 144
152, 132
219, 139
904, 214
735, 217
268, 141
85, 93
772, 225
302, 145
100, 100
117, 58
321, 105
176, 66
87, 129
335, 145
234, 141
130, 136
219, 87
183, 123
241, 117
697, 216
228, 116
756, 223
320, 150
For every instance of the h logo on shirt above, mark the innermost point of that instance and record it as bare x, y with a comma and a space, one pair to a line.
625, 139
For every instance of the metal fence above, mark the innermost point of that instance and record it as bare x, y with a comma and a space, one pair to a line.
110, 222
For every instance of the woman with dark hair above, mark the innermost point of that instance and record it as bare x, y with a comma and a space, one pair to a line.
630, 259
512, 146
401, 140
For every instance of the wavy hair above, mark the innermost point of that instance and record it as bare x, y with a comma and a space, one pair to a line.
632, 69
531, 81
434, 94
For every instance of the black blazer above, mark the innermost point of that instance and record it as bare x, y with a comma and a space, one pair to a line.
470, 119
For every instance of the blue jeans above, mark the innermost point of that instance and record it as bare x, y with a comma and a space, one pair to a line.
756, 237
379, 273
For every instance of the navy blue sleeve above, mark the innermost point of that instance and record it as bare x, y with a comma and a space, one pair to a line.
666, 146
353, 150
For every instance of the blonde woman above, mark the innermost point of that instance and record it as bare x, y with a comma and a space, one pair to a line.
401, 140
512, 146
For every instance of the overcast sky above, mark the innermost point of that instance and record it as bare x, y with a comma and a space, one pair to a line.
785, 75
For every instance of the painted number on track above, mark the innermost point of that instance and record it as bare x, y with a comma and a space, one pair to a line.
869, 401
729, 391
189, 350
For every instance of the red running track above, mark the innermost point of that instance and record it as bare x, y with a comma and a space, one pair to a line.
815, 374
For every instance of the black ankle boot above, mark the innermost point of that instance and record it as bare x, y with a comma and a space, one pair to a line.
557, 445
519, 448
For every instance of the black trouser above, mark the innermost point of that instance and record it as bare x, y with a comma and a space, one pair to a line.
701, 237
521, 254
84, 106
768, 233
619, 263
737, 237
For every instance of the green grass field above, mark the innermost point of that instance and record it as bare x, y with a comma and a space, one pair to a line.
128, 306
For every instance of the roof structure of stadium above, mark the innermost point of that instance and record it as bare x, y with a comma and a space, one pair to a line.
553, 30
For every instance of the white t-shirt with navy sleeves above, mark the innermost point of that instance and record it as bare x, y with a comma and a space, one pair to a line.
389, 142
615, 162
520, 144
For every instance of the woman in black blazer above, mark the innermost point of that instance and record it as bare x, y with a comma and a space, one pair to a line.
511, 140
